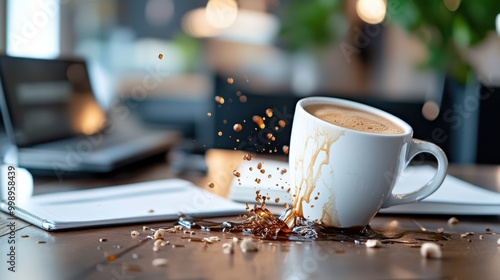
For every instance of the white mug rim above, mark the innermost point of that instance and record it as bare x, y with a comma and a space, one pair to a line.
355, 105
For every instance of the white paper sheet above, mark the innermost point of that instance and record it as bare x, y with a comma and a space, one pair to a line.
141, 202
453, 190
455, 196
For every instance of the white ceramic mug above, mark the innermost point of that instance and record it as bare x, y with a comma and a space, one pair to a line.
342, 177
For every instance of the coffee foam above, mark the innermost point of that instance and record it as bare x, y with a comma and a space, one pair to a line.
353, 119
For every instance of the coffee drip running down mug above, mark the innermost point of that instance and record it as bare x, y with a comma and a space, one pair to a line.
342, 177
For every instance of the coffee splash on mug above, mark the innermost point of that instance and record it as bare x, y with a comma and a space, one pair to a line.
310, 175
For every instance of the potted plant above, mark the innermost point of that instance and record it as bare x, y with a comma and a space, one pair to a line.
451, 30
448, 28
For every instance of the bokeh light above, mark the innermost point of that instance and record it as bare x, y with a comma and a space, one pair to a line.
430, 110
221, 13
371, 11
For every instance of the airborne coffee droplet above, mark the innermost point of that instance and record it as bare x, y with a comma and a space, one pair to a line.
286, 149
247, 157
237, 127
219, 99
259, 121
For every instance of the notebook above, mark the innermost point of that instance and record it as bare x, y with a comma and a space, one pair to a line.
50, 112
454, 197
145, 202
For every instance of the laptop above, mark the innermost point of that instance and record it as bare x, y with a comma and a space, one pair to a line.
52, 115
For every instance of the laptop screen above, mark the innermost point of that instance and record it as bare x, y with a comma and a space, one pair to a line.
45, 100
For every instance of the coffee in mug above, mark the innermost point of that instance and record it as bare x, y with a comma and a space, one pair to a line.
353, 119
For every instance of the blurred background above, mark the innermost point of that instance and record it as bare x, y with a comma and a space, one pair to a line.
203, 66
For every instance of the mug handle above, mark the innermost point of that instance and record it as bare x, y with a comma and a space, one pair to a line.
417, 147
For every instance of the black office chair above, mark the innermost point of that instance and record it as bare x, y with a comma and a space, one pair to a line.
488, 136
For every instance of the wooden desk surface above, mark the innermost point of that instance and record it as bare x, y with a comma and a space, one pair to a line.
79, 254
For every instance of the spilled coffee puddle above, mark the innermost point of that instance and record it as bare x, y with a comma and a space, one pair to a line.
268, 227
260, 222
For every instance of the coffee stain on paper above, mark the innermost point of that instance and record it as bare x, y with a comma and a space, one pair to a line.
309, 176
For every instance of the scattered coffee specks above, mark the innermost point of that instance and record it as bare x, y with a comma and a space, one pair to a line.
227, 248
160, 233
178, 227
247, 245
110, 258
160, 242
373, 243
430, 250
193, 239
41, 242
25, 236
214, 238
160, 262
453, 221
464, 235
207, 240
131, 267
